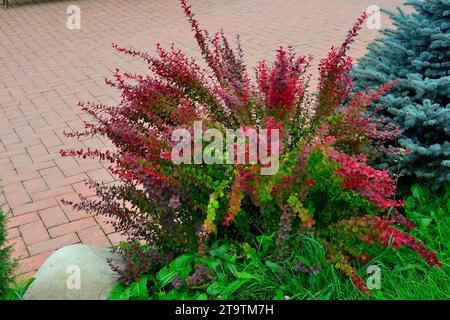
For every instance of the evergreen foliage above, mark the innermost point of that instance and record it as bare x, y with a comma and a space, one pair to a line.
6, 266
417, 53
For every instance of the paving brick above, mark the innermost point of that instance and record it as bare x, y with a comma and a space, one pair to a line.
38, 123
12, 187
17, 196
19, 249
26, 276
37, 151
83, 189
74, 215
53, 244
38, 165
32, 263
22, 219
94, 236
11, 153
9, 139
54, 180
12, 233
83, 168
71, 227
105, 224
14, 178
53, 217
116, 238
52, 140
70, 212
34, 206
21, 160
52, 193
49, 171
25, 132
32, 141
34, 232
66, 163
35, 185
100, 175
58, 180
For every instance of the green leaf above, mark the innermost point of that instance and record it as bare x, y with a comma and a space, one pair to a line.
424, 222
305, 260
165, 275
410, 203
181, 261
420, 219
245, 275
275, 267
213, 289
416, 191
212, 264
119, 292
416, 215
19, 291
279, 295
328, 295
249, 251
220, 251
138, 290
233, 269
201, 296
234, 286
266, 242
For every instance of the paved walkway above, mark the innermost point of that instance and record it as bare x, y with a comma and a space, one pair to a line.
46, 69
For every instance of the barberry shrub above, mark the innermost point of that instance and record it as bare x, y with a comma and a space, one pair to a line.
416, 53
323, 187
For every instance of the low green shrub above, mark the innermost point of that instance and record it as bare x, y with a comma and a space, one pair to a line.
6, 264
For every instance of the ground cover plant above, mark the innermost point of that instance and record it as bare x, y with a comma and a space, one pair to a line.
244, 271
222, 230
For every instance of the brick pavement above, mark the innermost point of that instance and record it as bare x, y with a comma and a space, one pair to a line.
46, 69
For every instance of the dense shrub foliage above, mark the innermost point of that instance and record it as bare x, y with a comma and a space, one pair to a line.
253, 271
6, 265
324, 187
417, 54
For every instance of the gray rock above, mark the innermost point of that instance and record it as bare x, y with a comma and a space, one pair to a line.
76, 272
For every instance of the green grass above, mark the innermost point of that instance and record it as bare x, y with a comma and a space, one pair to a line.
18, 290
408, 278
411, 278
327, 284
404, 275
407, 282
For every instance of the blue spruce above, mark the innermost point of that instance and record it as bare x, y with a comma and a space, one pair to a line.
417, 53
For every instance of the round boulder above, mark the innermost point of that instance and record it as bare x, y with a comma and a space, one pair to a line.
76, 272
